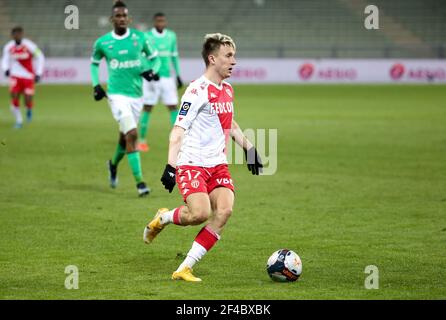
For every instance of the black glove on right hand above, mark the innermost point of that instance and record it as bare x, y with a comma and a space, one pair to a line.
99, 93
7, 73
168, 178
149, 75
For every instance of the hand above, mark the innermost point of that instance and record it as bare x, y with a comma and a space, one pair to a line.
179, 82
99, 93
168, 178
149, 75
254, 161
37, 79
7, 73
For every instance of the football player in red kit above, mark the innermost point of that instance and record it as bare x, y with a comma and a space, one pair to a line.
23, 63
197, 155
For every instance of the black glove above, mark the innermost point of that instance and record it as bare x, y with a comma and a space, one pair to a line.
37, 79
168, 178
149, 75
253, 160
99, 93
179, 82
7, 73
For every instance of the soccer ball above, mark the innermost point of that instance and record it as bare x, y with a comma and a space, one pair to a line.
284, 265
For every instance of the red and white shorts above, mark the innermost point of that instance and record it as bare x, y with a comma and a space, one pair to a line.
21, 85
192, 179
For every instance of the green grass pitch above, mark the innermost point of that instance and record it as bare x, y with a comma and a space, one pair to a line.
361, 181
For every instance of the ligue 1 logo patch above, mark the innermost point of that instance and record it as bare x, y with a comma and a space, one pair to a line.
184, 108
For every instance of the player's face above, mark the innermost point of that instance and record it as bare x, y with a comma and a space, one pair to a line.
224, 61
160, 23
120, 18
17, 36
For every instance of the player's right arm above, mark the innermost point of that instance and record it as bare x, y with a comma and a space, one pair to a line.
191, 104
6, 60
96, 57
175, 140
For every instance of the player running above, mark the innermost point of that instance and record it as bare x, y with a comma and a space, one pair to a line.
23, 63
122, 49
165, 42
197, 155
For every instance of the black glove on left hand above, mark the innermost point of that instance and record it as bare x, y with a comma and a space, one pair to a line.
168, 177
254, 161
149, 75
179, 82
37, 79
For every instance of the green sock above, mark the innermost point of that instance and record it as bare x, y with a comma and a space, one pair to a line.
135, 164
144, 125
119, 154
173, 116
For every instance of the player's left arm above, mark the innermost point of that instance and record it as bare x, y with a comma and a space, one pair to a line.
252, 157
153, 60
176, 59
39, 58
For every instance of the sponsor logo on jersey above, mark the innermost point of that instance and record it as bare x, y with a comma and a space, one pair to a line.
184, 108
20, 55
229, 92
213, 95
123, 51
194, 91
222, 107
115, 64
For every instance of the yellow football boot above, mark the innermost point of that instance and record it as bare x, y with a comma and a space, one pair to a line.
154, 227
185, 274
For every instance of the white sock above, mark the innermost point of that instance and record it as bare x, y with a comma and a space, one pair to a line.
167, 217
193, 256
18, 115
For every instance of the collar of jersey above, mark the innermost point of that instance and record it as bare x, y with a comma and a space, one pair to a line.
157, 34
118, 37
219, 87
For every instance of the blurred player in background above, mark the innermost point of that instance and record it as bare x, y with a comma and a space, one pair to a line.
122, 49
197, 155
23, 63
165, 42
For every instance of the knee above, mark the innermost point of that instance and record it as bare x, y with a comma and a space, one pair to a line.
200, 215
131, 135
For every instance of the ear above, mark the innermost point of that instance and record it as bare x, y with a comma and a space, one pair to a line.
130, 19
211, 59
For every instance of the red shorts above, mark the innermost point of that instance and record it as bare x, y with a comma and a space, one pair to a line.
192, 179
21, 85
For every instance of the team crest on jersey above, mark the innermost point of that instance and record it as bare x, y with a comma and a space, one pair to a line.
195, 183
229, 92
184, 108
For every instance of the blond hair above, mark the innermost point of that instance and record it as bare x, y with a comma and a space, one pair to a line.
213, 42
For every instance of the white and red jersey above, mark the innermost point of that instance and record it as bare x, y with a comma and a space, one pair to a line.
206, 114
19, 59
